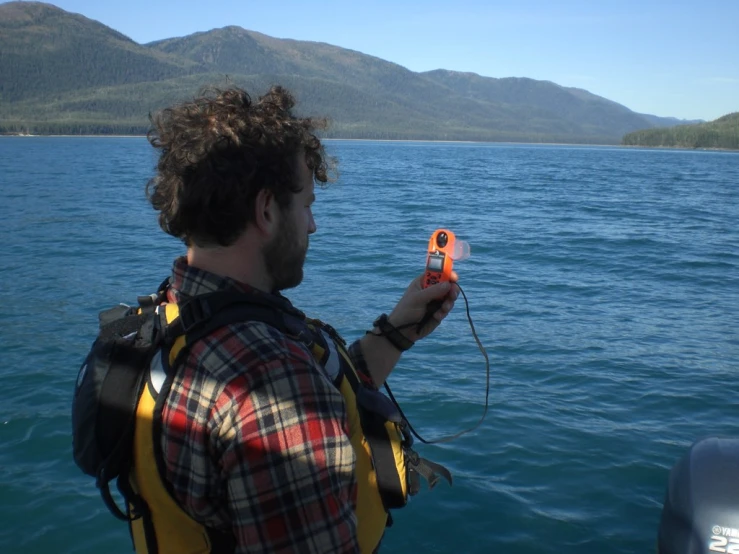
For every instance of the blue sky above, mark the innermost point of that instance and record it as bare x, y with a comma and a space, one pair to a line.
668, 58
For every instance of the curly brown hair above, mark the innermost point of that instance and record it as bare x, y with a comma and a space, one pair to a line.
218, 151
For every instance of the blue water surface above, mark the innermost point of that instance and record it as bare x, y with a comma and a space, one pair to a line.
604, 283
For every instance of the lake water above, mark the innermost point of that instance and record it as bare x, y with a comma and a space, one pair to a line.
604, 283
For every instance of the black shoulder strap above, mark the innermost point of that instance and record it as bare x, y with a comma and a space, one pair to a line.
201, 315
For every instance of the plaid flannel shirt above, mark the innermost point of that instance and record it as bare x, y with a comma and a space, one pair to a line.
255, 437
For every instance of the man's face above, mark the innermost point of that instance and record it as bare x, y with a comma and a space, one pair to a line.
284, 255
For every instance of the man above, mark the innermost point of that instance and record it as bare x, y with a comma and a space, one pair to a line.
255, 441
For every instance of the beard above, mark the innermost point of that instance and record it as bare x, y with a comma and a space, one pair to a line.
284, 257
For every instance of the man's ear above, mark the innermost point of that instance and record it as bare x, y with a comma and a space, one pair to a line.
266, 212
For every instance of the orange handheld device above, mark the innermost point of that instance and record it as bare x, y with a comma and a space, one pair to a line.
444, 248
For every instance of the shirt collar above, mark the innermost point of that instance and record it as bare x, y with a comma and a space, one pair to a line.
188, 281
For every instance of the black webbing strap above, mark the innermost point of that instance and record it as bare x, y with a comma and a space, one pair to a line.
243, 312
104, 486
196, 309
138, 509
201, 315
373, 426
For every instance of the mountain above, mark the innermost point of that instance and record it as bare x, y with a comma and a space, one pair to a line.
64, 73
356, 90
46, 50
720, 133
553, 105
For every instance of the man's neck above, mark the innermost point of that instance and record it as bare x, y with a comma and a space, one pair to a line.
237, 262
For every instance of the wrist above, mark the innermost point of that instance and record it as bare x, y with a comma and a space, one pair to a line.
391, 333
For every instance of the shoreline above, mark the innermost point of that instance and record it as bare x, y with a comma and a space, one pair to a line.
686, 148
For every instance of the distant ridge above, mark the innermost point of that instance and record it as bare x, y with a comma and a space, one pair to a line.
65, 73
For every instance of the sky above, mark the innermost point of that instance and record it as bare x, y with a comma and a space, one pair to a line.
671, 58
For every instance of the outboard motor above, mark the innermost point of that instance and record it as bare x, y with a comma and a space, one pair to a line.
701, 509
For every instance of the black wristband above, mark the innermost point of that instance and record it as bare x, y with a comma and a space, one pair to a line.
392, 334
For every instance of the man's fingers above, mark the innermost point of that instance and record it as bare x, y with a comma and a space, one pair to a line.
436, 291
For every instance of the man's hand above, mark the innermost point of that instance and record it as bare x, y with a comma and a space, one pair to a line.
416, 302
380, 355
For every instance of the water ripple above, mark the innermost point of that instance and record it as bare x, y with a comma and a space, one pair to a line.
602, 281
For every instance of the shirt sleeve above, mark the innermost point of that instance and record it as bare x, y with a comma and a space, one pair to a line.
360, 363
286, 458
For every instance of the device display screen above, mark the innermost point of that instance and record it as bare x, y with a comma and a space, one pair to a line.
436, 262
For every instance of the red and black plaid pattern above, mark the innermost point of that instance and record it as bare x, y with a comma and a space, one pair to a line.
255, 437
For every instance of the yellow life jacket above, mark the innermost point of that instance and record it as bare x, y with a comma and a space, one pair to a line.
387, 468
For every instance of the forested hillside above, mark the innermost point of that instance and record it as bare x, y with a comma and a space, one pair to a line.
63, 73
721, 133
46, 50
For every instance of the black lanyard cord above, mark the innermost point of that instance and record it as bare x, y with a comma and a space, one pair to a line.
487, 385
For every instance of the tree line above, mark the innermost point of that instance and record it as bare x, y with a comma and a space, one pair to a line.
721, 133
